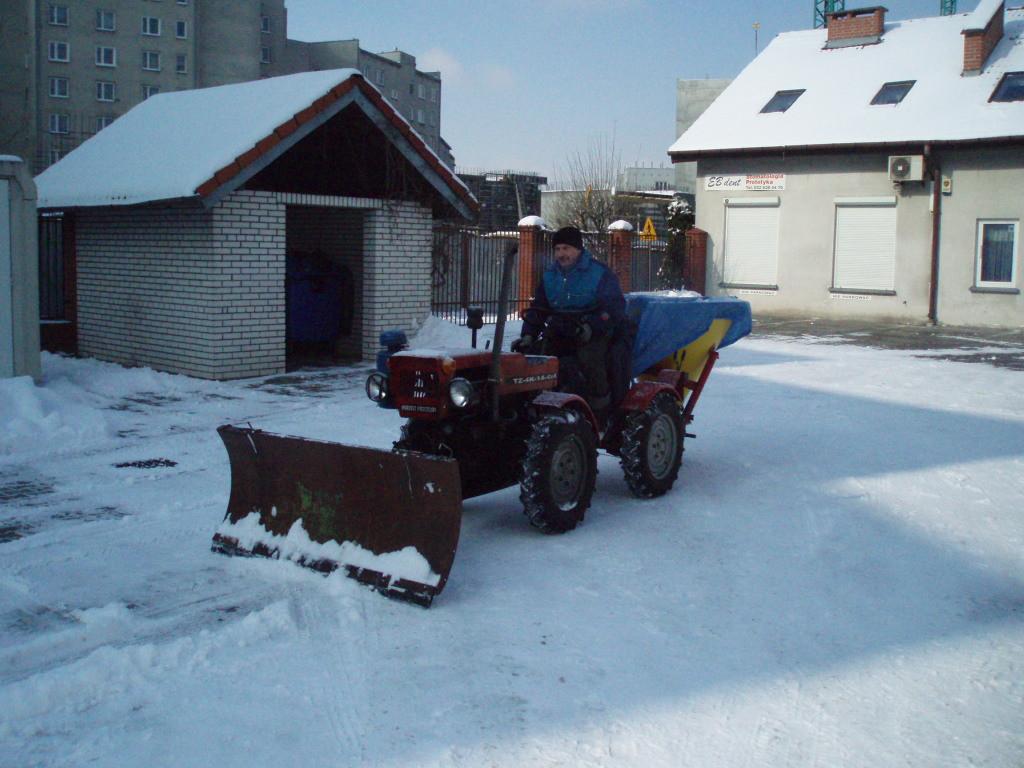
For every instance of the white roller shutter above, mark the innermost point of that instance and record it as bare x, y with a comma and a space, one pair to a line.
865, 245
751, 249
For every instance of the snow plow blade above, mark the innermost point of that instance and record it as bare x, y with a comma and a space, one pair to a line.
390, 518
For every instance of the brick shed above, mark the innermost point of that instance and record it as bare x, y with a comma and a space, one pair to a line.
234, 231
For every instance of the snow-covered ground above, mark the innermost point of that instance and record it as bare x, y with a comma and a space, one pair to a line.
836, 580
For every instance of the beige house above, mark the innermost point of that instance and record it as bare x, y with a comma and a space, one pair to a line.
871, 169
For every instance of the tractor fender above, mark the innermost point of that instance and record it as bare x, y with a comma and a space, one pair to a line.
642, 393
566, 401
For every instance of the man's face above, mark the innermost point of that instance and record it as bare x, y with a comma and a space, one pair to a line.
566, 255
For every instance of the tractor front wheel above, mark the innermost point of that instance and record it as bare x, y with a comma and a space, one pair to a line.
652, 447
559, 472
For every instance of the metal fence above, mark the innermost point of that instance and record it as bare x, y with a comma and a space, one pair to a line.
51, 267
467, 267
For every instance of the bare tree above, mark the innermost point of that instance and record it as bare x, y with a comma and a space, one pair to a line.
586, 187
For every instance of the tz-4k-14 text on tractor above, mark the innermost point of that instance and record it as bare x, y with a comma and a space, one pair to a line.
477, 421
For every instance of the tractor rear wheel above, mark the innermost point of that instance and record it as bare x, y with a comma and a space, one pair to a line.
652, 447
558, 472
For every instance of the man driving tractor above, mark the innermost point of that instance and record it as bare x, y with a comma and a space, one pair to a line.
575, 310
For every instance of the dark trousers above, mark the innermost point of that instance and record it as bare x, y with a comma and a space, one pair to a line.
588, 362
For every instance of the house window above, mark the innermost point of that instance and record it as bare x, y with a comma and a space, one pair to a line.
781, 101
150, 90
181, 29
59, 123
106, 21
151, 61
55, 155
58, 15
106, 56
421, 91
151, 26
265, 25
181, 64
751, 245
419, 116
265, 54
865, 245
105, 90
379, 76
102, 122
893, 93
394, 95
58, 51
59, 87
433, 95
997, 254
412, 89
1010, 88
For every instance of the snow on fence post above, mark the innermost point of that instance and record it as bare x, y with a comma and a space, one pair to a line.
695, 260
530, 243
620, 252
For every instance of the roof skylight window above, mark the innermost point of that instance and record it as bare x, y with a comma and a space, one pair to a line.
1010, 88
893, 93
781, 101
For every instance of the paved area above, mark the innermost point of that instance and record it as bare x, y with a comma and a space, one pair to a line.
1000, 347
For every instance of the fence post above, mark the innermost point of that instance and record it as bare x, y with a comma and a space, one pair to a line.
620, 252
530, 229
695, 260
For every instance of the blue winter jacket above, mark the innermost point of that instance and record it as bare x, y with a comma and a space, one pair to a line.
588, 284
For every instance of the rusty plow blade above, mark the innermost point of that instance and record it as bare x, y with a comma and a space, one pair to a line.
390, 518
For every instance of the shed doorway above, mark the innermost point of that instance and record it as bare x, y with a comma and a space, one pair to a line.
323, 285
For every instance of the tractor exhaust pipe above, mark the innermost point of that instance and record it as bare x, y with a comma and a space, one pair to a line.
499, 328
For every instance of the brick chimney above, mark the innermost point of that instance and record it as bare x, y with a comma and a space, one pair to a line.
981, 35
862, 26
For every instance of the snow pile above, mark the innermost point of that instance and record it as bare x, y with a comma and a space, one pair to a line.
406, 563
34, 418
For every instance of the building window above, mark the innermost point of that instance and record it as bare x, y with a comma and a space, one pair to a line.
750, 248
1010, 88
150, 90
151, 26
864, 255
421, 91
151, 61
59, 123
380, 77
58, 51
105, 90
106, 56
102, 122
893, 93
997, 254
58, 15
394, 95
433, 95
781, 101
412, 89
265, 55
55, 155
59, 87
181, 29
419, 116
181, 64
106, 21
265, 25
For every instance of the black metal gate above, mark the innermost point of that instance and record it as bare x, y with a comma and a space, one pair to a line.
51, 267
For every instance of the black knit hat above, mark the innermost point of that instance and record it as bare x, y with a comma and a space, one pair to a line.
568, 236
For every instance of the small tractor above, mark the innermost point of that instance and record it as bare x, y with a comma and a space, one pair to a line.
477, 421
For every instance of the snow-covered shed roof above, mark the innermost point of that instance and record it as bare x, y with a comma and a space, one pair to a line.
839, 83
206, 142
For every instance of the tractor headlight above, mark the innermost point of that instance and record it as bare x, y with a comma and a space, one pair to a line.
461, 392
377, 387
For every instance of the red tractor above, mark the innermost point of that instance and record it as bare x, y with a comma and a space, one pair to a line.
477, 422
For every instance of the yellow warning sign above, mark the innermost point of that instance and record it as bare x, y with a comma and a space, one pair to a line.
649, 232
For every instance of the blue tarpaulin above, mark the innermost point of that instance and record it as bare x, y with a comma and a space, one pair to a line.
666, 323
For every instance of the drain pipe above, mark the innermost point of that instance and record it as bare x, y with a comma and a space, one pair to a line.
936, 174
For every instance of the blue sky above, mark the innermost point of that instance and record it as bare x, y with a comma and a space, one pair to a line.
526, 84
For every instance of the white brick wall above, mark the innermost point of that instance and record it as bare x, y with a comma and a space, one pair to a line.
396, 272
201, 292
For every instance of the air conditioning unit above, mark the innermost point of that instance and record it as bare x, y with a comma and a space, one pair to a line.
906, 167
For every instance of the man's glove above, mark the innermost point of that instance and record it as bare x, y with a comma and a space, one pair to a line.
584, 333
522, 344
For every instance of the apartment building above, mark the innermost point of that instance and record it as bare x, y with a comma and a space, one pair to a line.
69, 69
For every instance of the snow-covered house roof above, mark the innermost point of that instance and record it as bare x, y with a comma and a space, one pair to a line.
839, 83
207, 142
